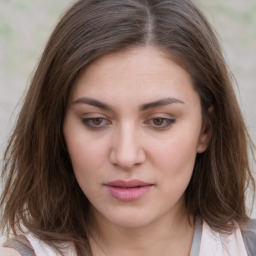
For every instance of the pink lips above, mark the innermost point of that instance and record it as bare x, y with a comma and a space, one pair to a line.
127, 190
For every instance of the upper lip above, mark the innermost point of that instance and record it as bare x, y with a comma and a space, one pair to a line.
128, 184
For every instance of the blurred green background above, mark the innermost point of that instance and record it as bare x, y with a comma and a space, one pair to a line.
25, 26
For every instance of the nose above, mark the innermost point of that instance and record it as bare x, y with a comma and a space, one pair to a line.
127, 151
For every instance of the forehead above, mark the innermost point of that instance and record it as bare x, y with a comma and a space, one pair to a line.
141, 72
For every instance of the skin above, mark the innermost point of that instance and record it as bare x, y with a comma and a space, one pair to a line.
8, 251
132, 139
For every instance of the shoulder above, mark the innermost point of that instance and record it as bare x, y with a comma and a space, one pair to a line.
17, 246
249, 236
250, 228
5, 251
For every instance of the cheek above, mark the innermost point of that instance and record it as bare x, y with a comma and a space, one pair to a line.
86, 154
177, 164
176, 159
87, 160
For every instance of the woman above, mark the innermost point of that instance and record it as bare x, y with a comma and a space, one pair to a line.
130, 140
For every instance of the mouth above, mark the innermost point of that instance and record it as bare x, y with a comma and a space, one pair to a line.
128, 190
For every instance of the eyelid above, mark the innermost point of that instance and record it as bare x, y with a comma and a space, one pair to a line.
88, 120
167, 121
160, 115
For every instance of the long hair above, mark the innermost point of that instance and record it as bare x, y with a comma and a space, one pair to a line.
41, 193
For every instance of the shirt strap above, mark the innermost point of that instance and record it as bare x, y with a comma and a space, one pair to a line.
249, 236
195, 249
21, 244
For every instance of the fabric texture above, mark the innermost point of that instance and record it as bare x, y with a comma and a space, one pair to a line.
195, 249
20, 244
42, 249
206, 242
249, 236
214, 243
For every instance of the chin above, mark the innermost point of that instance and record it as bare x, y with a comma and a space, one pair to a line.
131, 223
131, 219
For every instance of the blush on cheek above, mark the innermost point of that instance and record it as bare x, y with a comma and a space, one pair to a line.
179, 160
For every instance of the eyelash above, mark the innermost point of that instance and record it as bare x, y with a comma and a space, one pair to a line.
89, 122
165, 122
103, 122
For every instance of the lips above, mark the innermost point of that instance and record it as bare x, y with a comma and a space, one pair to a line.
128, 190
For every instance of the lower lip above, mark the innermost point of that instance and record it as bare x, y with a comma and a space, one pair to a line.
128, 194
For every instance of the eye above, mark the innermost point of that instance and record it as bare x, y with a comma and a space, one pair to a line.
160, 122
96, 122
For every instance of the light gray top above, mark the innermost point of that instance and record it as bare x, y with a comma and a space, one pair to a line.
249, 236
22, 245
195, 249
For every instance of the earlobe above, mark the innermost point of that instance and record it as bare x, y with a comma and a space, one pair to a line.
206, 132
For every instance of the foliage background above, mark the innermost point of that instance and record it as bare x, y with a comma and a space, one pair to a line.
25, 26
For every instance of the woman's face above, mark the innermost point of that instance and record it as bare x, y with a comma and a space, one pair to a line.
133, 128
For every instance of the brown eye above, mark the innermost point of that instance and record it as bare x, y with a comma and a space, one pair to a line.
97, 121
158, 121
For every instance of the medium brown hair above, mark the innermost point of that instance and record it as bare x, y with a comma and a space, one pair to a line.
41, 193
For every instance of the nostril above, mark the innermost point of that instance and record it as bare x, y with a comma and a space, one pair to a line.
126, 151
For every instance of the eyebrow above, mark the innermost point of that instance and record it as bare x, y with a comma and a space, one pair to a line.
92, 102
143, 107
158, 103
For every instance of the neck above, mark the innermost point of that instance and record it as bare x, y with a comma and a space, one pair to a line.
166, 236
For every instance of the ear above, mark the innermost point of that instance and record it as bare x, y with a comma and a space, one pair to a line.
206, 132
